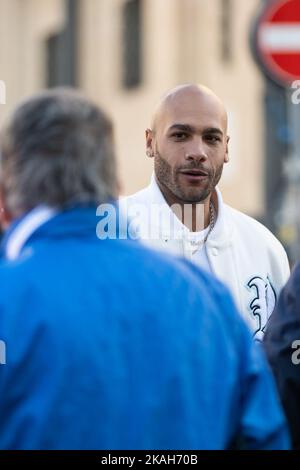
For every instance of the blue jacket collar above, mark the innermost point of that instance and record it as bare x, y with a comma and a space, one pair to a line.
104, 221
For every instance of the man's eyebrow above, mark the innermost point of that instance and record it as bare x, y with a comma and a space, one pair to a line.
191, 129
213, 130
182, 127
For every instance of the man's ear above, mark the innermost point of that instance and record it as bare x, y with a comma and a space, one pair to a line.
5, 217
119, 188
226, 159
149, 143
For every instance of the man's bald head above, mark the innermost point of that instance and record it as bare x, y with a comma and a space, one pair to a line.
191, 94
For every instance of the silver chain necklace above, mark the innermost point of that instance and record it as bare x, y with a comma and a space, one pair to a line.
212, 221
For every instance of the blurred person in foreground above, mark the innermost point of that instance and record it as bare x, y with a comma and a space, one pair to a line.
110, 345
282, 344
188, 142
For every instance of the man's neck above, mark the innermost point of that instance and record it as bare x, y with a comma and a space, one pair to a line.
194, 215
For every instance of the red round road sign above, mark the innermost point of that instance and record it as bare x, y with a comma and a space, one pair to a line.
278, 40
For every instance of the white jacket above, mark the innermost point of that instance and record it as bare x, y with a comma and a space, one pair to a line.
242, 253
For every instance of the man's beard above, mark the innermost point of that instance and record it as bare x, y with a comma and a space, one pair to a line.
169, 178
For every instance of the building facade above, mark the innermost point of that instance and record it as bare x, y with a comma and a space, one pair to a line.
126, 53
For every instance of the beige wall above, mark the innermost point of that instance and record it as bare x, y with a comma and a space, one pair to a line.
24, 24
181, 44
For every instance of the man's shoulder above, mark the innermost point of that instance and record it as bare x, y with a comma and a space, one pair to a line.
183, 284
15, 274
163, 281
145, 263
172, 268
139, 197
253, 229
292, 290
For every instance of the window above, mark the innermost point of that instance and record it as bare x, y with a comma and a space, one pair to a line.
226, 30
131, 43
61, 51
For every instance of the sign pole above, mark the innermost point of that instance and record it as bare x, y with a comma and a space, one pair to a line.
294, 171
288, 217
277, 49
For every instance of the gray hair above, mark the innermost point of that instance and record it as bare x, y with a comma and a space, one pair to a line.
57, 149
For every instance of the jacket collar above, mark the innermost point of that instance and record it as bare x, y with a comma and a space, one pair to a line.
21, 230
79, 220
221, 234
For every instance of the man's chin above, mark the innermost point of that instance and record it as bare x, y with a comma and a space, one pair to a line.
193, 197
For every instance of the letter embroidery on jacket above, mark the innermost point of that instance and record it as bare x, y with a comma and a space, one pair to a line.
263, 303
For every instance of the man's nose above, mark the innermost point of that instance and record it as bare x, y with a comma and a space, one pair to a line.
196, 151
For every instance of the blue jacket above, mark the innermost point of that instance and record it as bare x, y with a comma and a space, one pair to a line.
282, 344
112, 346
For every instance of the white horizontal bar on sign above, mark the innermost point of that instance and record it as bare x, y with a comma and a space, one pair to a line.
282, 37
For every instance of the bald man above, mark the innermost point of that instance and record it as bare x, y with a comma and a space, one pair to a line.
182, 210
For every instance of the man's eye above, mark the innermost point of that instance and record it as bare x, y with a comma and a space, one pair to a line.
179, 135
213, 139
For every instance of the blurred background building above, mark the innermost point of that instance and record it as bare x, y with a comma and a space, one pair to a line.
126, 53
